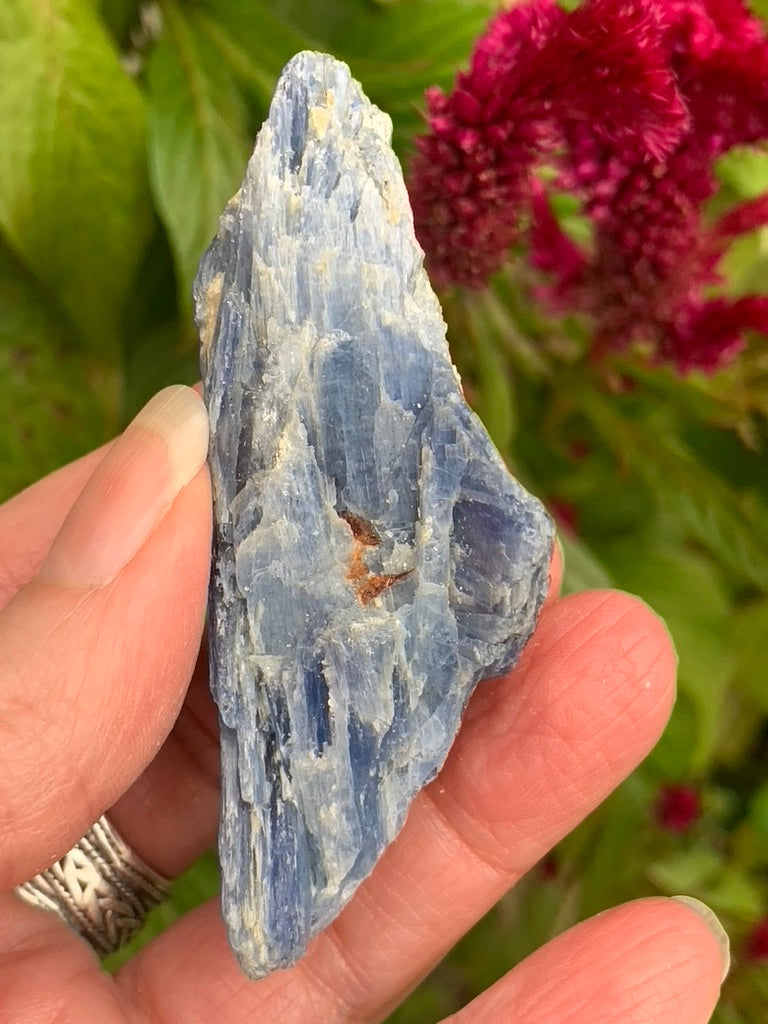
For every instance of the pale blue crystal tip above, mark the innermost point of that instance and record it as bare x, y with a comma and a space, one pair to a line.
373, 558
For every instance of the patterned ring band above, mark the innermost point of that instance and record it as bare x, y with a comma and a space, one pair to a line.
100, 888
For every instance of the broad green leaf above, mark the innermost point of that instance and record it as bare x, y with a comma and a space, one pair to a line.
672, 759
705, 873
758, 813
741, 726
492, 388
726, 455
613, 861
684, 589
735, 894
749, 640
569, 211
594, 868
58, 401
611, 505
396, 50
155, 359
326, 22
746, 263
156, 350
198, 142
745, 171
543, 902
417, 29
200, 131
254, 42
733, 527
490, 949
430, 1001
687, 870
583, 570
427, 37
120, 16
73, 197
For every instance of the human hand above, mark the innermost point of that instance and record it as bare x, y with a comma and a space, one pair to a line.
103, 577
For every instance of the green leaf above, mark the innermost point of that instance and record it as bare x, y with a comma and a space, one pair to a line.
745, 170
212, 54
396, 50
746, 263
704, 873
492, 391
672, 759
198, 142
740, 728
156, 350
758, 813
73, 197
730, 524
253, 41
430, 1001
58, 401
749, 641
594, 857
120, 16
419, 30
686, 871
735, 894
156, 358
685, 590
583, 570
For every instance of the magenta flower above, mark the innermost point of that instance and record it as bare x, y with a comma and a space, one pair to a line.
535, 69
653, 265
756, 943
566, 515
677, 807
633, 102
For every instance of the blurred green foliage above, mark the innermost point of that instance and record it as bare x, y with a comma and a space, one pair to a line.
124, 129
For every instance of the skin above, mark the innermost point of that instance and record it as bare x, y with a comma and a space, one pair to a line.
97, 713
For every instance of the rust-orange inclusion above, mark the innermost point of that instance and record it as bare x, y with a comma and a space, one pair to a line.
368, 585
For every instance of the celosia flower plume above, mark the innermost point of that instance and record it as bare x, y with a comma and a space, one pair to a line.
678, 807
755, 949
536, 68
633, 102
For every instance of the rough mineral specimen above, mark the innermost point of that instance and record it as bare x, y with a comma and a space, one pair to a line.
373, 557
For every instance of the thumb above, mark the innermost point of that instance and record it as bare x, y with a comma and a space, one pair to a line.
97, 650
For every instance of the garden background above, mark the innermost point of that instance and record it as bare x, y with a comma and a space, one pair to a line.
124, 129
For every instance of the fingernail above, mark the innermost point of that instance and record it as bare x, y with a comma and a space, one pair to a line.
712, 922
157, 455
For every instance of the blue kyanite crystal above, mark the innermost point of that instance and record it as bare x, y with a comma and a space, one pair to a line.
373, 557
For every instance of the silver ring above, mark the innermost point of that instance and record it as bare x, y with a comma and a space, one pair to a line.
100, 888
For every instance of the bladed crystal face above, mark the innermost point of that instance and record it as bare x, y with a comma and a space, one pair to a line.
373, 558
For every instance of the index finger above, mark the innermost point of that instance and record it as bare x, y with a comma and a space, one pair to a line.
31, 519
97, 650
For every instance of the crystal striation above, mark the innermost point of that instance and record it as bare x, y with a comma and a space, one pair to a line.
373, 558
